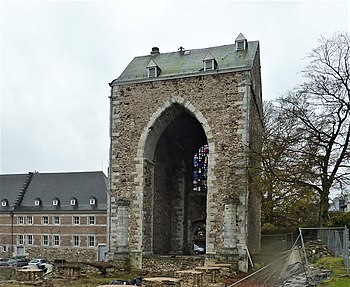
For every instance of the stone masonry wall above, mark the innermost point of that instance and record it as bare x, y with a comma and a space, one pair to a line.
218, 102
255, 145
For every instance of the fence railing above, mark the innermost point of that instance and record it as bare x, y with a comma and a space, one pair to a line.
335, 238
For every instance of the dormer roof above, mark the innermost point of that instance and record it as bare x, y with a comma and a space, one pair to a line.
241, 37
151, 64
208, 57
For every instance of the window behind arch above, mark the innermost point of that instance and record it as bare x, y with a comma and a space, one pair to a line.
200, 169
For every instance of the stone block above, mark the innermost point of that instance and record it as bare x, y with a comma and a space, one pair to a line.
190, 278
161, 282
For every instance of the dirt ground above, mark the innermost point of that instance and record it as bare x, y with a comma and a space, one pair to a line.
87, 280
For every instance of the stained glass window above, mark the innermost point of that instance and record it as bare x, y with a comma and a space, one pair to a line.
200, 169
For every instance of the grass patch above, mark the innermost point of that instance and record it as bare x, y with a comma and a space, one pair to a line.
338, 277
334, 264
336, 282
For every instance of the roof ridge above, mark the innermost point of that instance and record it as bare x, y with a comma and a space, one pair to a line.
194, 49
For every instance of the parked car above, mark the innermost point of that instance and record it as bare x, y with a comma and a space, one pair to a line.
39, 262
198, 250
3, 262
18, 262
42, 264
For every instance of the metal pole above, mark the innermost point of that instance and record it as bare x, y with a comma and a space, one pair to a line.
12, 241
346, 249
303, 246
307, 273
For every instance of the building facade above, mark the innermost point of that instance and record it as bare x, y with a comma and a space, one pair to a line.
54, 215
167, 109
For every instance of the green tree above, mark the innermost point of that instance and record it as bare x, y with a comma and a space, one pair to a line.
307, 136
285, 204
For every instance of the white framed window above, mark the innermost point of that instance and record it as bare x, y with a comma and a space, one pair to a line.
20, 239
152, 72
76, 240
20, 219
91, 220
92, 201
56, 220
209, 65
30, 220
30, 239
56, 240
45, 220
240, 45
76, 220
45, 240
55, 202
37, 201
4, 202
91, 241
73, 201
4, 248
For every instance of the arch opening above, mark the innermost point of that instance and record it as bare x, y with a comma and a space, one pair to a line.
173, 202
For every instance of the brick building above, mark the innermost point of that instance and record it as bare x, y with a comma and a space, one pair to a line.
166, 110
54, 215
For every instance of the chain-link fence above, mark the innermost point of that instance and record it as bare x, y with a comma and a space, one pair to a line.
336, 239
293, 267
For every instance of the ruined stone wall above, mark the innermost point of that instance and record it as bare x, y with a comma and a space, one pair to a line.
162, 193
219, 100
255, 145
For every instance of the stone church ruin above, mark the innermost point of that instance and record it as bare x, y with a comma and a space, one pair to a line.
183, 126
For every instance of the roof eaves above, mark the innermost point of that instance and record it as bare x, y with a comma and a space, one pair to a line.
118, 82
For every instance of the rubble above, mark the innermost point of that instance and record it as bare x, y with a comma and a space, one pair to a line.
316, 250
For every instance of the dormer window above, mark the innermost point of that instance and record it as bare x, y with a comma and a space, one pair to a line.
209, 62
209, 65
37, 201
4, 202
241, 43
153, 69
92, 201
73, 201
55, 201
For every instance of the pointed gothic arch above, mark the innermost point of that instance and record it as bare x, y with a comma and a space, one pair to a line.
173, 135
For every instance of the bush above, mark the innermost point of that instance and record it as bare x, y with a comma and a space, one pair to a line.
340, 219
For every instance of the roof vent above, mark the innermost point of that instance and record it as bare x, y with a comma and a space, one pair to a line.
155, 51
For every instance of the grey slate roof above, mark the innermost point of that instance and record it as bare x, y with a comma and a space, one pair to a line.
188, 63
64, 186
10, 186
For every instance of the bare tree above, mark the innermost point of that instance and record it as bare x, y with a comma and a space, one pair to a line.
308, 133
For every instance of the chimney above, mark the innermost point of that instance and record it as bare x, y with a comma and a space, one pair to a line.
155, 51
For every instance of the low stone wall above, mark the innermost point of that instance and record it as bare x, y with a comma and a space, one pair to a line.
170, 264
68, 254
7, 273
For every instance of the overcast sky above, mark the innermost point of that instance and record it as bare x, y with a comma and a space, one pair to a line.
57, 58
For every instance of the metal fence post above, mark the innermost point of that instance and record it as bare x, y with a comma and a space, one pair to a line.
346, 249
